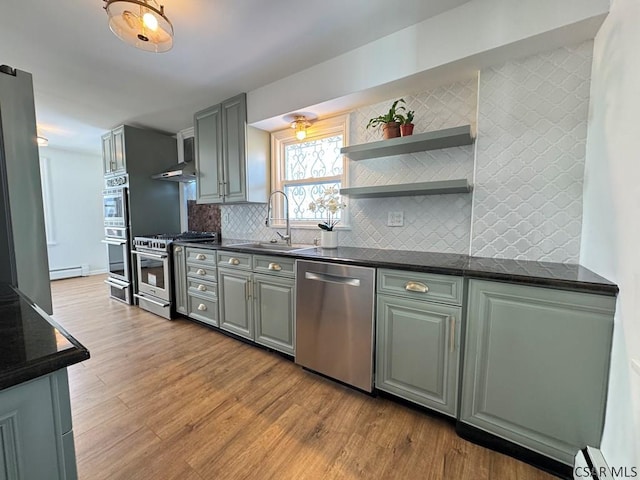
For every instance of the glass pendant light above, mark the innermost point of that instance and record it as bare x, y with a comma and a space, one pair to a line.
141, 23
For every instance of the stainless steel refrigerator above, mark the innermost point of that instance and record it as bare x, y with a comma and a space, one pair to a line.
23, 245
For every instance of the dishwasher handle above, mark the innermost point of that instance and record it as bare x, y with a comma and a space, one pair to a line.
327, 277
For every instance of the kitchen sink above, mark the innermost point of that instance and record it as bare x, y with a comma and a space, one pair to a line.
271, 247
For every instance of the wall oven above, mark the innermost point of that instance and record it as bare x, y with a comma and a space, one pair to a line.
117, 241
114, 206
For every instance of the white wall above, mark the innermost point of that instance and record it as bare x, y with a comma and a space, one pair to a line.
611, 217
75, 188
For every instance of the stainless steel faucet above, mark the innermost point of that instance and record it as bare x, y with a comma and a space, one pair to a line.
267, 222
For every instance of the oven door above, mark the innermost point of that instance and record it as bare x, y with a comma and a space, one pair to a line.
118, 258
153, 274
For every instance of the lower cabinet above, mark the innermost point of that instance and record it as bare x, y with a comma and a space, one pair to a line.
236, 307
274, 305
257, 298
36, 436
180, 279
536, 366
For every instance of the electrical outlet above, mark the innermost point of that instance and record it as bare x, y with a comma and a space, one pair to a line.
395, 219
225, 218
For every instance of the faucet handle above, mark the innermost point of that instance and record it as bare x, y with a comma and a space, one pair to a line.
283, 237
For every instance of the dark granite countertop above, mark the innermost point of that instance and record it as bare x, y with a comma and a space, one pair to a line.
32, 344
563, 276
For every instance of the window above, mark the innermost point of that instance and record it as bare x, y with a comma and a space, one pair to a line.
303, 170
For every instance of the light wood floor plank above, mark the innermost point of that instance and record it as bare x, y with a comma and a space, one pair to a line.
176, 400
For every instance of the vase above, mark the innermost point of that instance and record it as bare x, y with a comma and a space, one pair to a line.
329, 239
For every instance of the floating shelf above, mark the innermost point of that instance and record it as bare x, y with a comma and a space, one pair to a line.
409, 189
421, 142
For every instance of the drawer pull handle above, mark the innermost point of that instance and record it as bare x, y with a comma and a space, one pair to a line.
202, 288
202, 307
234, 261
201, 256
178, 249
416, 287
275, 266
200, 271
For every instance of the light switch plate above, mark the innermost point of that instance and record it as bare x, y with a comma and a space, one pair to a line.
395, 219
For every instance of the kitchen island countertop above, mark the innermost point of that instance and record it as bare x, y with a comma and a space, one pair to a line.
565, 276
32, 344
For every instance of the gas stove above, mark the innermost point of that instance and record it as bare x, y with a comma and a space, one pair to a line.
162, 241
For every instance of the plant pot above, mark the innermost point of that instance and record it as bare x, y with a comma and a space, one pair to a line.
329, 239
406, 129
390, 130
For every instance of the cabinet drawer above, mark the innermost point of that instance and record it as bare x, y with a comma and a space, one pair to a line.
274, 265
203, 289
201, 255
418, 285
201, 272
240, 261
205, 310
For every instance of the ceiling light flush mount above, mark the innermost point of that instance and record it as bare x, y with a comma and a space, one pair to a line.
300, 122
141, 23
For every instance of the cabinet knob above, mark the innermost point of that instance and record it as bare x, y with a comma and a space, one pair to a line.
178, 249
234, 261
416, 287
275, 266
200, 271
201, 256
202, 288
202, 307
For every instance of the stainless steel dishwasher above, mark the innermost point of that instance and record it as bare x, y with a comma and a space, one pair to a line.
334, 321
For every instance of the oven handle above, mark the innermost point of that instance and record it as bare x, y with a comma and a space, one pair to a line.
160, 304
116, 285
152, 255
114, 242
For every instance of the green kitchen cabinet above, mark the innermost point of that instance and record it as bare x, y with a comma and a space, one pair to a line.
232, 158
180, 278
202, 285
113, 152
36, 436
236, 306
536, 366
418, 339
274, 304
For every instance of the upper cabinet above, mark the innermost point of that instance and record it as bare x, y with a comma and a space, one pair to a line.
113, 157
232, 158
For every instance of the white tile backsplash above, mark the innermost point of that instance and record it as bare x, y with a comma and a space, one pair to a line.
529, 164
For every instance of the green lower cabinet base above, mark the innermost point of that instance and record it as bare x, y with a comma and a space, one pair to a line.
36, 438
418, 351
274, 312
536, 366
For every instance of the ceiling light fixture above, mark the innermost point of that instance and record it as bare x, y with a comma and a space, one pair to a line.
300, 122
42, 141
141, 23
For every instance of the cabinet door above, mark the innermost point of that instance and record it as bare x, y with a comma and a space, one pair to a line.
274, 312
107, 153
536, 366
180, 279
234, 292
119, 156
418, 351
208, 149
234, 143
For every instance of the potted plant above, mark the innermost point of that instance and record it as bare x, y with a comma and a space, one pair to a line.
390, 121
329, 203
406, 123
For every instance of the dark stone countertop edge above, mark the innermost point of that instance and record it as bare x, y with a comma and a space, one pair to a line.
492, 269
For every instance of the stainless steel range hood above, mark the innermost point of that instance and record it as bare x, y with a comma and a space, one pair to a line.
180, 172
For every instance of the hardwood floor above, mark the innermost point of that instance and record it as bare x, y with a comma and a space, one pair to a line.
169, 400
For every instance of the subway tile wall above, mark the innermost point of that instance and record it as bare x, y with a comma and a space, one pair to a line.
528, 163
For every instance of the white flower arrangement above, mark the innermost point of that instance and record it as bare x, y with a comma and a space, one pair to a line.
330, 203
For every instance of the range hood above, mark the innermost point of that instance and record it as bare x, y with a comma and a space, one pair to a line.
180, 172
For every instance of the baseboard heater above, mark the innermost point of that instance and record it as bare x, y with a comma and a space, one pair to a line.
69, 272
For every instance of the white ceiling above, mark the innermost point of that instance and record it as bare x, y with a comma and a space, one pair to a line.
86, 80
